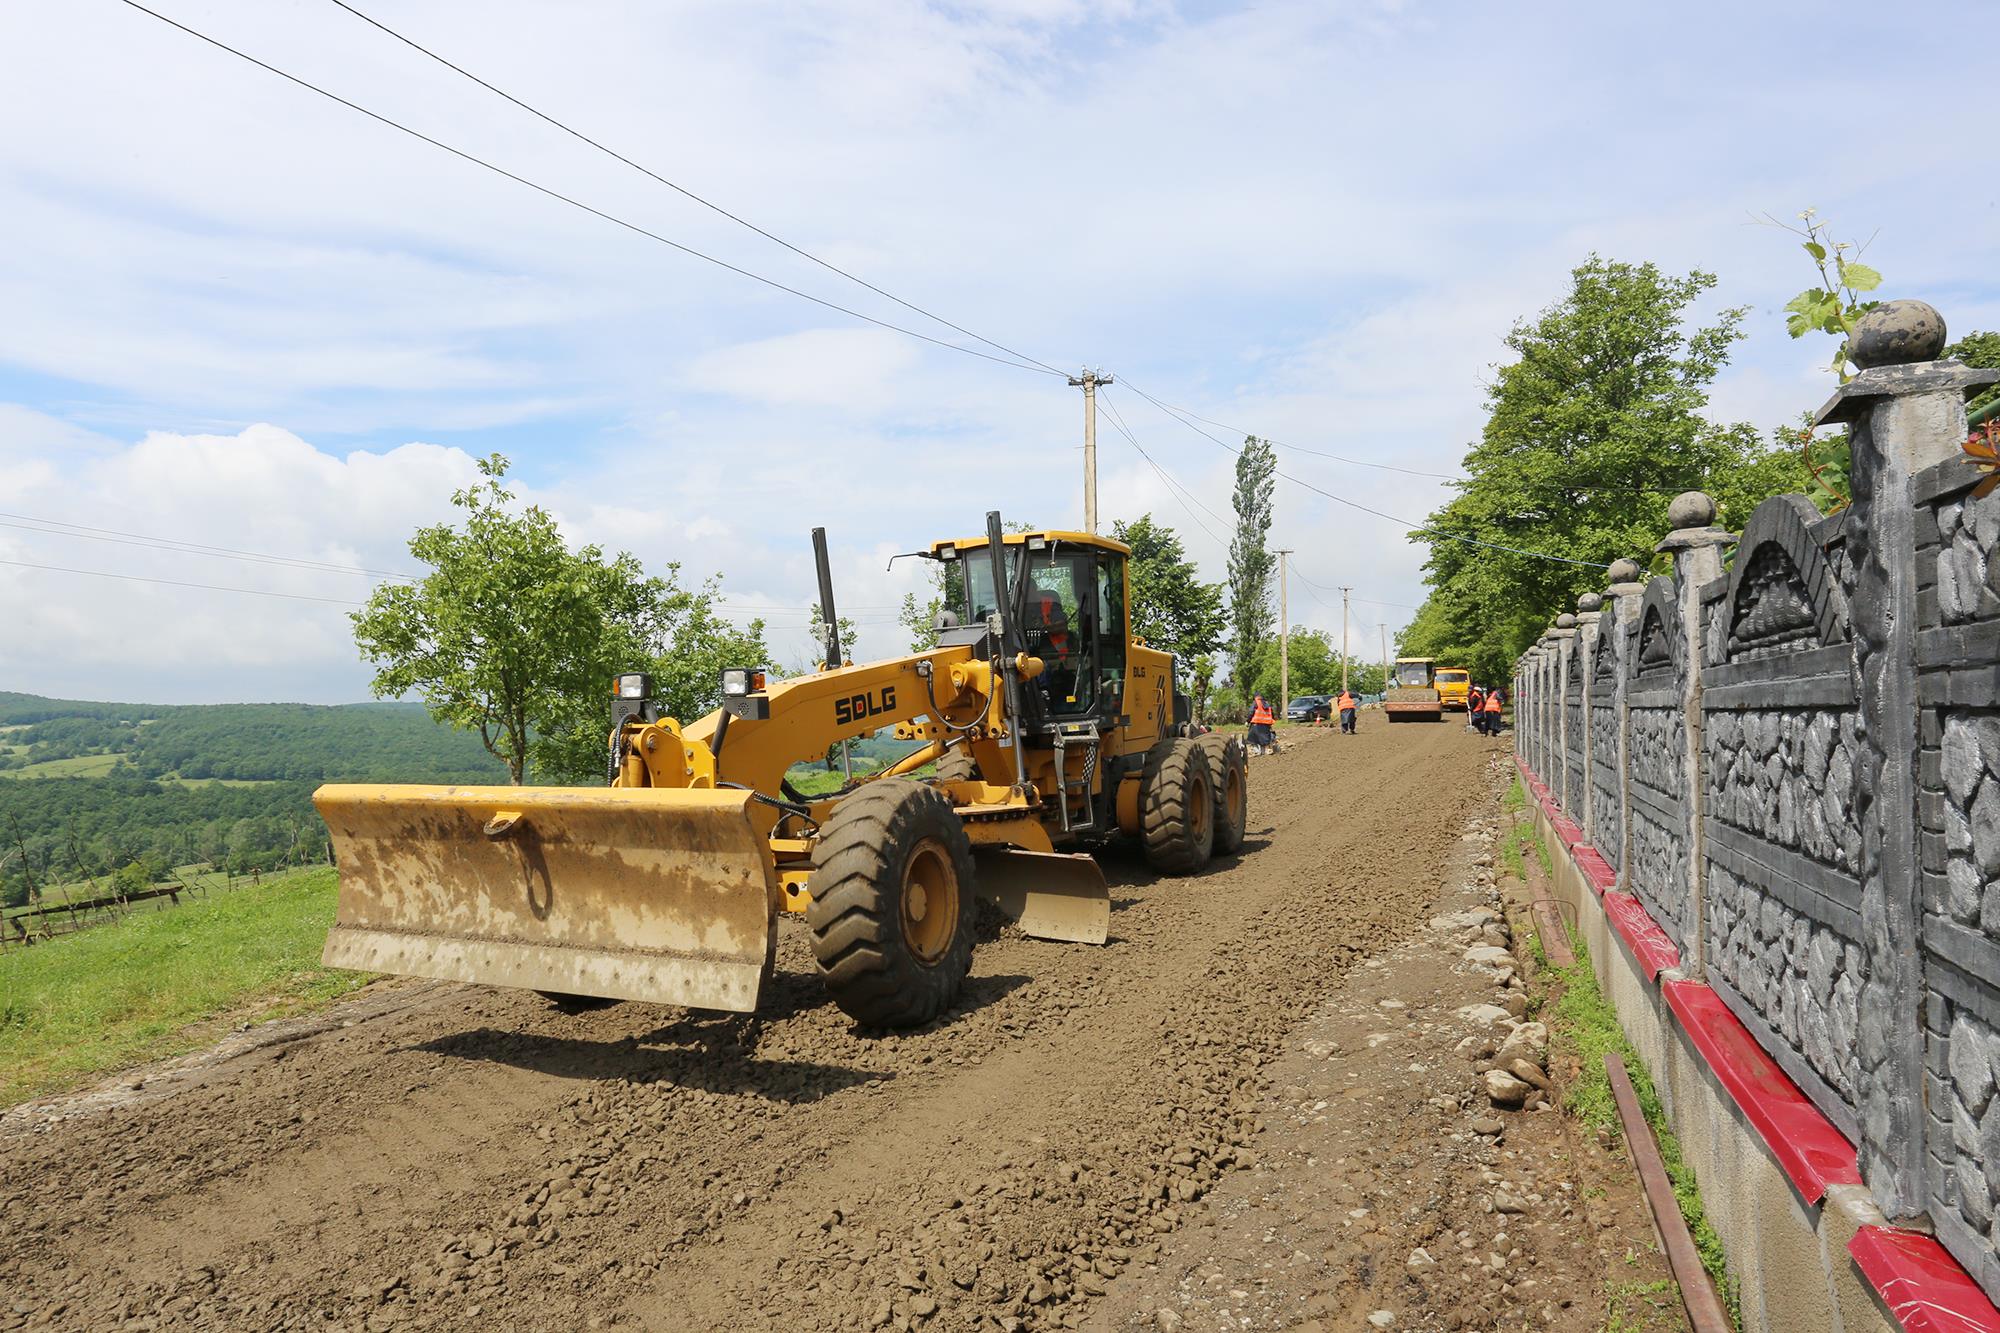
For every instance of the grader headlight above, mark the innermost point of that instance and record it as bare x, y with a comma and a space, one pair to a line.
740, 681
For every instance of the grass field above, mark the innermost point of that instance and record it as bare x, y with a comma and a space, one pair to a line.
138, 988
83, 766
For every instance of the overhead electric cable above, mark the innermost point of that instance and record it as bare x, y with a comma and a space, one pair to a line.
709, 204
1619, 488
50, 527
177, 583
557, 195
1417, 528
1174, 488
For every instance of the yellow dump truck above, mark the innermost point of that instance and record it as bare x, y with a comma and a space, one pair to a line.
1413, 692
1454, 686
1051, 729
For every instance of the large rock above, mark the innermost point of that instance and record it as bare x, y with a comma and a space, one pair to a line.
1504, 1089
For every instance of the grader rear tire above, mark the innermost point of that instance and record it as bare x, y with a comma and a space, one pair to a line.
1228, 768
1177, 807
892, 904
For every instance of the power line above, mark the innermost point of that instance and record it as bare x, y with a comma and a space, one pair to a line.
1174, 488
176, 583
51, 527
1295, 448
577, 203
1417, 528
1619, 488
709, 204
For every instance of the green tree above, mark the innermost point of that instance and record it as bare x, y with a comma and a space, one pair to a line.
1590, 431
1171, 607
678, 640
516, 637
1250, 560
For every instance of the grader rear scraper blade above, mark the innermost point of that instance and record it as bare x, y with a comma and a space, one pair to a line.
659, 894
1050, 895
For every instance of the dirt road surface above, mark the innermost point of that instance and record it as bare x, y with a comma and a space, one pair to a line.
442, 1157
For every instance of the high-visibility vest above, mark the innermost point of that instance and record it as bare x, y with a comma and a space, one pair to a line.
1262, 715
1493, 702
1346, 701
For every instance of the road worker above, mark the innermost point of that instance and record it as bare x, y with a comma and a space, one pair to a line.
1349, 710
1261, 722
1491, 711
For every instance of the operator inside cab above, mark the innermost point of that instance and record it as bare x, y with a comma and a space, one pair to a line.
1057, 647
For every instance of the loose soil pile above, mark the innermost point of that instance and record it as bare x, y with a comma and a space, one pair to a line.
441, 1157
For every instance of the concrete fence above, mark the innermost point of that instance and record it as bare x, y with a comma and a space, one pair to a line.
1788, 751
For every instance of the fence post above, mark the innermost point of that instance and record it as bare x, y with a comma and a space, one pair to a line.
1589, 610
1904, 412
1695, 544
1626, 591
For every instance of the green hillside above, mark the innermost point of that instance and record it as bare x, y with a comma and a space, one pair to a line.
89, 788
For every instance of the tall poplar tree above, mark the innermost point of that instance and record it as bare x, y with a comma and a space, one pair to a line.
1250, 560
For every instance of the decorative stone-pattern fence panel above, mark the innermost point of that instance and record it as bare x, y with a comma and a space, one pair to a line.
1778, 763
1656, 679
1807, 786
1958, 683
1574, 734
1605, 717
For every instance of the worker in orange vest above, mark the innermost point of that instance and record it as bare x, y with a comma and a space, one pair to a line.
1345, 703
1261, 721
1492, 711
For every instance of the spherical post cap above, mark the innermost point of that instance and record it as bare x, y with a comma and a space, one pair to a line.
1690, 509
1624, 571
1590, 601
1565, 621
1897, 333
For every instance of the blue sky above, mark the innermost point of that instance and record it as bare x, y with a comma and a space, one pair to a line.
238, 315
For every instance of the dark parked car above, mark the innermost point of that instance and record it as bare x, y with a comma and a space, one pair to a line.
1309, 708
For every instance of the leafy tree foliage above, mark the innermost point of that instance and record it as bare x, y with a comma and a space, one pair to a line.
516, 637
1982, 350
1591, 430
1250, 560
1315, 667
1171, 608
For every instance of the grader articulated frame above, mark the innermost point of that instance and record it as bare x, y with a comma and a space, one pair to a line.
1051, 729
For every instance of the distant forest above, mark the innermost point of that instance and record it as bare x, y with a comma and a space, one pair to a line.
226, 784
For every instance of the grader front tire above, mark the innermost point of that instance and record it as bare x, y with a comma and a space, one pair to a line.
1228, 769
892, 904
1177, 807
957, 766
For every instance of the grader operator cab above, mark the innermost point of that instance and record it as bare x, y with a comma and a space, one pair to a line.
1051, 728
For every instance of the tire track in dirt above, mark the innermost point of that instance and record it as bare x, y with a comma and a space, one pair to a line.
480, 1160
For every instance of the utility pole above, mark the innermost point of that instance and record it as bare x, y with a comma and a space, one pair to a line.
1284, 634
1385, 657
1088, 382
1344, 590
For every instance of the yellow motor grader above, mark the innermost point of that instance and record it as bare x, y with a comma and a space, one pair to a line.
1051, 729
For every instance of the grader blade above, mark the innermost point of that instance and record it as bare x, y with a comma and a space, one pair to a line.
1050, 895
660, 894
